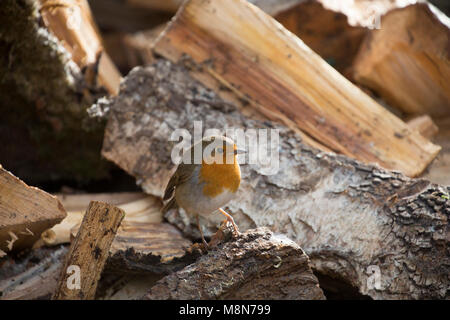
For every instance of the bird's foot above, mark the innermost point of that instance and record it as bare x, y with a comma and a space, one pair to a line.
229, 219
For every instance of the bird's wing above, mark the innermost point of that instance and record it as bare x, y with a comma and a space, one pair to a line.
182, 174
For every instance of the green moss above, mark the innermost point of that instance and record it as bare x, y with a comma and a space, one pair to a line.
45, 132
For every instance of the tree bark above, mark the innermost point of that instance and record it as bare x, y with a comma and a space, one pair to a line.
44, 95
349, 217
25, 212
255, 265
262, 65
89, 251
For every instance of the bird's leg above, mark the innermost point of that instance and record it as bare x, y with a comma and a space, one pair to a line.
230, 219
201, 232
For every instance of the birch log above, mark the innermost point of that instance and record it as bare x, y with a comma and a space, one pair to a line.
254, 56
350, 218
256, 265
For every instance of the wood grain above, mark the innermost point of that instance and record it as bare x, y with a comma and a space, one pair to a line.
407, 61
25, 212
89, 251
249, 52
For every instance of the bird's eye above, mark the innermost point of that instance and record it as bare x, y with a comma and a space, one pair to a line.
219, 150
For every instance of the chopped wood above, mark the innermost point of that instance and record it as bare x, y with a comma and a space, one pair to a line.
424, 125
89, 251
406, 60
25, 212
350, 218
50, 93
139, 208
149, 248
326, 31
73, 25
280, 76
255, 265
35, 277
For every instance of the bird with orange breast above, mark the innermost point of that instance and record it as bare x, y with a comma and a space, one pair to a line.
202, 187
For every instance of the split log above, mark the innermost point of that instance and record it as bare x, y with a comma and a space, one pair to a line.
149, 248
25, 212
137, 206
280, 76
142, 245
256, 265
51, 90
34, 277
326, 31
349, 217
73, 25
89, 251
407, 60
333, 29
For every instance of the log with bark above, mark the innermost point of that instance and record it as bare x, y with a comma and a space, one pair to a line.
252, 55
88, 252
25, 212
406, 61
255, 265
143, 243
34, 276
348, 216
44, 95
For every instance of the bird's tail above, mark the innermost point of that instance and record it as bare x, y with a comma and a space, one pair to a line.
169, 205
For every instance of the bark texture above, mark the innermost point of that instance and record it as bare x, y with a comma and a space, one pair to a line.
255, 265
89, 251
44, 97
346, 215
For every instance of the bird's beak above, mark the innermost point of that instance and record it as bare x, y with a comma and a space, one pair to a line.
239, 151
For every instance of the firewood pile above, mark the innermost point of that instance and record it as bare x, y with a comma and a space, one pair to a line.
353, 204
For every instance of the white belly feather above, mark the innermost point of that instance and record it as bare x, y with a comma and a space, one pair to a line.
190, 197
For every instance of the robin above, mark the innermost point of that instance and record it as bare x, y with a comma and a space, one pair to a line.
202, 187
